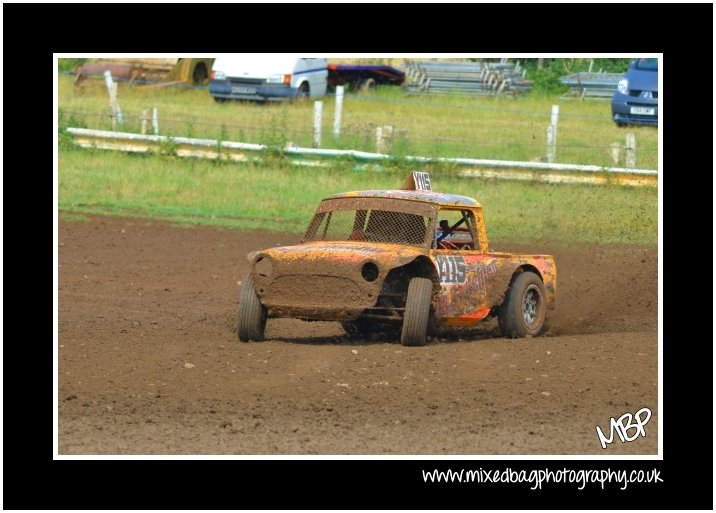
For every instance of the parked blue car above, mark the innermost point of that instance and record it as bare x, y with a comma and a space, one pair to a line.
636, 100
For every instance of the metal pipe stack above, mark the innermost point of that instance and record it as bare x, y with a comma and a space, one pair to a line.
474, 78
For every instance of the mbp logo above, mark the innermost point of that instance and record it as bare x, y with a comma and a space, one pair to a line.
622, 426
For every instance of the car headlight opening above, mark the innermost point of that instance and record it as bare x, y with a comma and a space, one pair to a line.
623, 86
369, 271
263, 266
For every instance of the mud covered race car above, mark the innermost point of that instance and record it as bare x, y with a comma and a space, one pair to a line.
411, 259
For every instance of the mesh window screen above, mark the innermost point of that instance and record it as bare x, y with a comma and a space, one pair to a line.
370, 225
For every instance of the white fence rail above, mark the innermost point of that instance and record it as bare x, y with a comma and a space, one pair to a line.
500, 169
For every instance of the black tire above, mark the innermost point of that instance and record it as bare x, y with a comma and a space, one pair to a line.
252, 314
417, 312
304, 91
200, 74
367, 85
524, 309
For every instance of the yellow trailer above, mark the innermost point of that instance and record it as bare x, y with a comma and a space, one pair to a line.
149, 71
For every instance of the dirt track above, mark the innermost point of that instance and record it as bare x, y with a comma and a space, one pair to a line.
149, 362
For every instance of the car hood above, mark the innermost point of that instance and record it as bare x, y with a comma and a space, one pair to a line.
347, 252
643, 79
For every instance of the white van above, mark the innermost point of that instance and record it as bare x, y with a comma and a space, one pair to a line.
267, 77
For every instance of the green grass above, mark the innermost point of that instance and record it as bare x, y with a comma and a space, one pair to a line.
283, 197
72, 216
277, 196
443, 126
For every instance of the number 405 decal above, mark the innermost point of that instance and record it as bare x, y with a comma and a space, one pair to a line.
451, 268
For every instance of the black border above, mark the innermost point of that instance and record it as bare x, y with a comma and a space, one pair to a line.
32, 480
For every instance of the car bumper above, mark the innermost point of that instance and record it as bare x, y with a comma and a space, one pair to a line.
633, 110
225, 89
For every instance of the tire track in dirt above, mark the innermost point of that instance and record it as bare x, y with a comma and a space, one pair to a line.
149, 362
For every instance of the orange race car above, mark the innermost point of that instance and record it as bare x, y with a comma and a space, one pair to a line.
412, 258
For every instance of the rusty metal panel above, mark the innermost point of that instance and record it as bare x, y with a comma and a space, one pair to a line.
150, 70
325, 280
118, 69
472, 283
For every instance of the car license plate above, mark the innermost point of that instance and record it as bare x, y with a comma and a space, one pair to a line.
644, 111
243, 90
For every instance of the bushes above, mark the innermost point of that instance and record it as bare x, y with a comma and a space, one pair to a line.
546, 79
65, 65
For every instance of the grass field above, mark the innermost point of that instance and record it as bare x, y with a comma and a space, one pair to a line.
278, 196
283, 197
445, 126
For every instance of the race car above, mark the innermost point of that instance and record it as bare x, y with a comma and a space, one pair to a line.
409, 259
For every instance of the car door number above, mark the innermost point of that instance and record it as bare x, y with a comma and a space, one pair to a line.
451, 269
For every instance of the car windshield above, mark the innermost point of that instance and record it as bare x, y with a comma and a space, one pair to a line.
372, 220
647, 64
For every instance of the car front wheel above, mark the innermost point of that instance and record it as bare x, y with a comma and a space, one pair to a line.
417, 312
304, 91
252, 314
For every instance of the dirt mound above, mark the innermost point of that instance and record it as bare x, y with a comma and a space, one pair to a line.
149, 362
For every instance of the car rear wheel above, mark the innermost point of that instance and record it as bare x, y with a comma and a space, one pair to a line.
524, 309
367, 86
252, 314
417, 312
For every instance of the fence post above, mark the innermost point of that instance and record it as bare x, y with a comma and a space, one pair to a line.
552, 135
113, 100
615, 150
317, 115
379, 139
114, 106
108, 80
339, 111
551, 153
555, 115
383, 138
388, 137
146, 118
630, 153
155, 121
